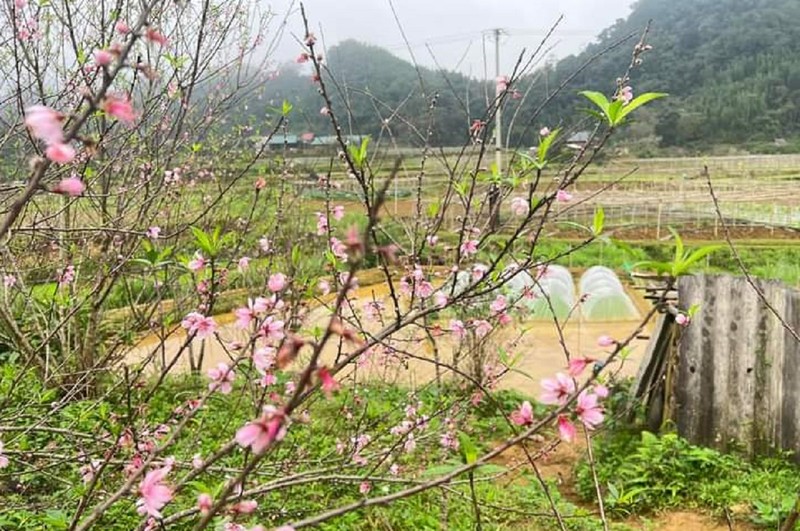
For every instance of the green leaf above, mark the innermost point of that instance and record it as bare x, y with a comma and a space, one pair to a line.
639, 101
544, 146
363, 149
598, 98
599, 220
199, 486
287, 108
702, 252
614, 110
468, 449
678, 245
203, 240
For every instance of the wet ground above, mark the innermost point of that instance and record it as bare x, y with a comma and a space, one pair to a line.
536, 344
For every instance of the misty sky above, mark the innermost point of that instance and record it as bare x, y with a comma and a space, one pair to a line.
453, 28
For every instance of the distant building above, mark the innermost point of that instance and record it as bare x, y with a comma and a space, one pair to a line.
277, 142
306, 140
579, 140
331, 140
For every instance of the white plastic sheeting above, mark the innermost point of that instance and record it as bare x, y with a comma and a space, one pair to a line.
555, 294
605, 297
554, 284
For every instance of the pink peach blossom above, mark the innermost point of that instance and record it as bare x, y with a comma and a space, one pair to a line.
3, 458
601, 391
103, 57
627, 94
482, 328
557, 390
606, 341
469, 247
222, 378
155, 36
524, 415
71, 186
588, 410
276, 282
200, 325
245, 507
578, 365
60, 153
562, 196
519, 206
197, 264
324, 287
154, 494
264, 359
272, 329
120, 107
457, 329
499, 304
204, 503
260, 433
44, 124
502, 84
566, 429
327, 382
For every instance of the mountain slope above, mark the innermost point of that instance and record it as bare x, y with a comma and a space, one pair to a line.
732, 68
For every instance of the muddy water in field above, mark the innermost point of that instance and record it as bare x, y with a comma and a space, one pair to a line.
535, 343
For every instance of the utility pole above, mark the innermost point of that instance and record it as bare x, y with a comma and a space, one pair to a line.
494, 190
498, 120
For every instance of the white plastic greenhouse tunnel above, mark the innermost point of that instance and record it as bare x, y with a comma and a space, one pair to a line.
555, 284
605, 297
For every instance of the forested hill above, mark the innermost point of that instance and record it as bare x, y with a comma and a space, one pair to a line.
732, 68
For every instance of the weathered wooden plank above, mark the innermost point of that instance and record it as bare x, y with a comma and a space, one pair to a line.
722, 346
650, 360
744, 332
769, 371
738, 375
790, 422
688, 387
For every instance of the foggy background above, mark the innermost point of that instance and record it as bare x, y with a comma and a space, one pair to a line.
457, 31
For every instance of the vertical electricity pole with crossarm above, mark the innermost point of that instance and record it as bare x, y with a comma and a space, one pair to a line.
494, 190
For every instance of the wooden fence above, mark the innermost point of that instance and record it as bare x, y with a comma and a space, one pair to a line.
736, 380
